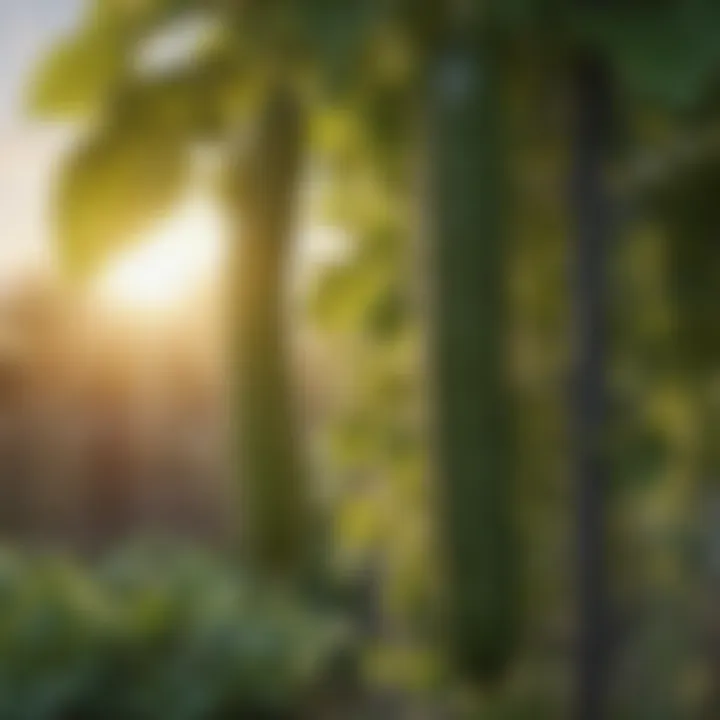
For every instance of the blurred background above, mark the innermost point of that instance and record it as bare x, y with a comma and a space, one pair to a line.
359, 359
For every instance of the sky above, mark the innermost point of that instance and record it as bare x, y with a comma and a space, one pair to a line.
29, 150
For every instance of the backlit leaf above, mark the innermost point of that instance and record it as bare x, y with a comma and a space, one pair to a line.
113, 188
78, 75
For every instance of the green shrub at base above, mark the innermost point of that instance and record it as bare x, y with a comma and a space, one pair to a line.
153, 634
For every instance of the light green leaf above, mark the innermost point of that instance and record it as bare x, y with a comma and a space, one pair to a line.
76, 77
80, 73
114, 187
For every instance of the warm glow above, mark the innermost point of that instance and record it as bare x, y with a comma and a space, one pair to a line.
174, 261
184, 253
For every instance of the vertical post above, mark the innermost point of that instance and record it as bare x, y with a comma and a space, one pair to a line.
592, 217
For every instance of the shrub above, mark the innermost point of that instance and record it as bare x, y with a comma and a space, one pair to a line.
155, 633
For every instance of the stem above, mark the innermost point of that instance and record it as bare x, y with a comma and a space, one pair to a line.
592, 213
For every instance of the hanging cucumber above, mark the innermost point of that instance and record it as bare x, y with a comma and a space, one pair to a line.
687, 208
272, 481
468, 271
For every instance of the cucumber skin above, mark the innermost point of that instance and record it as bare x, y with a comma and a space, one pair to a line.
273, 485
466, 223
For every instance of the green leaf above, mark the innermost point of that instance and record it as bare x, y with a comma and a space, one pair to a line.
386, 315
524, 14
113, 187
142, 12
77, 76
666, 53
687, 210
193, 101
340, 35
81, 72
642, 460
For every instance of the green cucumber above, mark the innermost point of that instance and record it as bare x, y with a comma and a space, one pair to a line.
466, 224
274, 501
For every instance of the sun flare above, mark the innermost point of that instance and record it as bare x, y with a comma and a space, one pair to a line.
184, 253
175, 259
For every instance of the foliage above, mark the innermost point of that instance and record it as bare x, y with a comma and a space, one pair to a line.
155, 632
77, 75
667, 54
116, 183
146, 116
664, 56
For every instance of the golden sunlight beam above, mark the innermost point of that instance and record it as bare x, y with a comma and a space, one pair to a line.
166, 268
184, 255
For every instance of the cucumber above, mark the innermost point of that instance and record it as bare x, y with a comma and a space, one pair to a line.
273, 485
472, 404
688, 210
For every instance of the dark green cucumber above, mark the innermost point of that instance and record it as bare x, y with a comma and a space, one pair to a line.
688, 210
268, 461
466, 226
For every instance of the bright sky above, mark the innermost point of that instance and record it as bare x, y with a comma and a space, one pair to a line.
28, 149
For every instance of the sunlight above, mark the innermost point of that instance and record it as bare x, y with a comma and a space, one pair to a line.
169, 266
182, 255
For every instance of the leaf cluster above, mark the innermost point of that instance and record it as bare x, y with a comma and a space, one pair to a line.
153, 632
